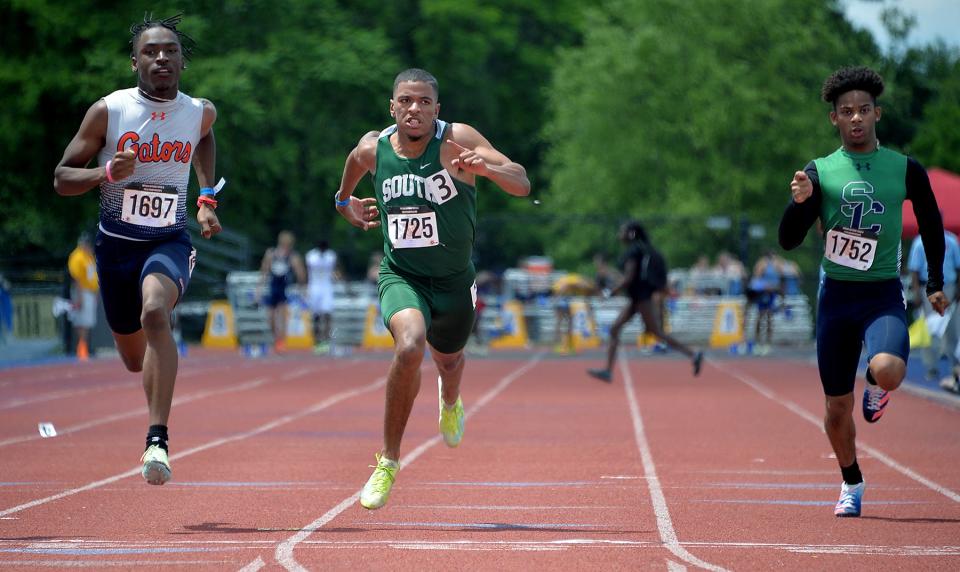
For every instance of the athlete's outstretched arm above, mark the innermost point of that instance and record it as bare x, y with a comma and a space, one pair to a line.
929, 222
205, 165
362, 213
804, 207
475, 155
72, 177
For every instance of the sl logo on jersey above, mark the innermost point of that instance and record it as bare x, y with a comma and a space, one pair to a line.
858, 202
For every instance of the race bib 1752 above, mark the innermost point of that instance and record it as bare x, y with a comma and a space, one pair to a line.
851, 247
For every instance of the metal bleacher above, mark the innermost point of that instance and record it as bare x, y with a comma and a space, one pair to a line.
690, 317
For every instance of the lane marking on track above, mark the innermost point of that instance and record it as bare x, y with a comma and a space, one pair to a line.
664, 523
319, 406
818, 422
472, 544
41, 397
284, 551
254, 566
509, 507
148, 564
177, 401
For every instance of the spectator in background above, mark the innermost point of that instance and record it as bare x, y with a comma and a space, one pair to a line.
281, 266
946, 343
563, 290
321, 272
733, 272
84, 292
373, 268
644, 275
765, 284
791, 276
700, 275
6, 309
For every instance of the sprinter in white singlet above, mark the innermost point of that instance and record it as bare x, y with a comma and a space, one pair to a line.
146, 138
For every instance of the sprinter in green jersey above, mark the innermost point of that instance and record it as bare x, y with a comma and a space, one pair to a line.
425, 203
857, 192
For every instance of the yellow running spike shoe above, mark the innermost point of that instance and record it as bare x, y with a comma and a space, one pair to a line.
156, 465
377, 490
451, 420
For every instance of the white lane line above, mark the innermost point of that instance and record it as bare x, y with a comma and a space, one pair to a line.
319, 406
177, 401
874, 452
215, 545
664, 523
284, 552
116, 384
254, 566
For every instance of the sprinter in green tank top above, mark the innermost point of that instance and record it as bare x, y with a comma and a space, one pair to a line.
857, 192
425, 203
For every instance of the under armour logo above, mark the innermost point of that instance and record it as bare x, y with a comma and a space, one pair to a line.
163, 115
863, 166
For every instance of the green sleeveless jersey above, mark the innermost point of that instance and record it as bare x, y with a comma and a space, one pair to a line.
428, 218
862, 213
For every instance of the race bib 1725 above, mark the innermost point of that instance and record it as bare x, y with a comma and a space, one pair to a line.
412, 227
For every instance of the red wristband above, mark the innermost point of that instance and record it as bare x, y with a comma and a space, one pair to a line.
107, 169
207, 200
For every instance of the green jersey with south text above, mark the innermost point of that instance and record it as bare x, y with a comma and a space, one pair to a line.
862, 213
428, 217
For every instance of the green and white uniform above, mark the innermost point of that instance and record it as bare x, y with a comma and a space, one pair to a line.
428, 220
862, 211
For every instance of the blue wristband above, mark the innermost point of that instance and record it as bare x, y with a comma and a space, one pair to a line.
338, 202
207, 192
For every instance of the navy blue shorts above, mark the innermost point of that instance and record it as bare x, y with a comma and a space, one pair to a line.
123, 264
850, 314
277, 295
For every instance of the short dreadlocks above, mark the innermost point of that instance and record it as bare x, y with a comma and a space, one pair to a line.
849, 79
186, 42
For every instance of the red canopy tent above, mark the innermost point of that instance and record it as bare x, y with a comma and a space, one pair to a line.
946, 187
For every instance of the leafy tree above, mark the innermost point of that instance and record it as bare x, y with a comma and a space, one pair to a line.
677, 110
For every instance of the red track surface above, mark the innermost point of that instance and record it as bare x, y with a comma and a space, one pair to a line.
557, 471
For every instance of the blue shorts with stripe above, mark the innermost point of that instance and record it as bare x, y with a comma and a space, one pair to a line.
851, 314
123, 264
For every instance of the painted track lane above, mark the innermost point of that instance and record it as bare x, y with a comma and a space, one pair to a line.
551, 474
546, 477
749, 474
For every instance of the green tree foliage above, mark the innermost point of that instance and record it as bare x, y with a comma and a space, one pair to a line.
681, 109
671, 110
296, 83
938, 141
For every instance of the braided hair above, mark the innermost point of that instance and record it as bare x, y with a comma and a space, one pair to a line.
187, 44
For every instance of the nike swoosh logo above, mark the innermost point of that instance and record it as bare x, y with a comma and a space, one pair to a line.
425, 166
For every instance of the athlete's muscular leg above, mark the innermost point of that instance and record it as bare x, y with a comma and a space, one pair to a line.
131, 348
403, 381
838, 423
451, 371
651, 324
160, 359
622, 318
889, 370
